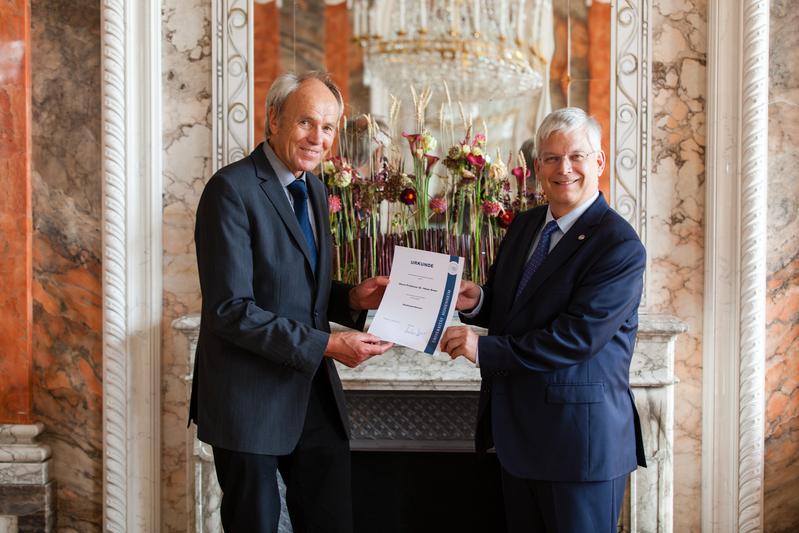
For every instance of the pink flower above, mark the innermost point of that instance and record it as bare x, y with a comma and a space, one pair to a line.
408, 196
431, 160
477, 161
413, 138
479, 139
333, 204
438, 204
521, 174
492, 208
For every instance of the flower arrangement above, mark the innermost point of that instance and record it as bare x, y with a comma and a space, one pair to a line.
464, 209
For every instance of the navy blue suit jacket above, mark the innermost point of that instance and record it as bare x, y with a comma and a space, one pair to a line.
555, 399
265, 313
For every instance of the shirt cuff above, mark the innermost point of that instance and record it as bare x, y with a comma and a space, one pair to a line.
473, 313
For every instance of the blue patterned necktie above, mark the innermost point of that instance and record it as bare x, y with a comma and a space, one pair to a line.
299, 192
539, 254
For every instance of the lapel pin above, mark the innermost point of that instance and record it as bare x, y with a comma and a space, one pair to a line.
581, 237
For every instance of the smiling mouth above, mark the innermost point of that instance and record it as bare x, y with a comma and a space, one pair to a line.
565, 182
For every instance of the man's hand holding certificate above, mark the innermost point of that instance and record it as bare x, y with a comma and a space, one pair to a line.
419, 300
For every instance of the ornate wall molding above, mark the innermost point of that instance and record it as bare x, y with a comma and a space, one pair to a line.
232, 99
630, 120
735, 273
754, 155
131, 152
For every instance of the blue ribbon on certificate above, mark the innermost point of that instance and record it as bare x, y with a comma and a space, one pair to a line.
441, 320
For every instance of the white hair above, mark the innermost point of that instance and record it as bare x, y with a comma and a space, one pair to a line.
567, 120
287, 83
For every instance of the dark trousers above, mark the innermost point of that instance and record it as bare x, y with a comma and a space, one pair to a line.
562, 507
317, 476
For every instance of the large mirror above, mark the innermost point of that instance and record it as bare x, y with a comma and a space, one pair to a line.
597, 59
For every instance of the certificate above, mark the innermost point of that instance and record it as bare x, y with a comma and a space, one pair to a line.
419, 300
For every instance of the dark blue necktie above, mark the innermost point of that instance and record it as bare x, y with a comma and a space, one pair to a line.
539, 254
299, 192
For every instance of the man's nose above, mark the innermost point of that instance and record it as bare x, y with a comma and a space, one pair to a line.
315, 135
565, 164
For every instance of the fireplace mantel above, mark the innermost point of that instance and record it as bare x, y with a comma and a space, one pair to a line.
409, 401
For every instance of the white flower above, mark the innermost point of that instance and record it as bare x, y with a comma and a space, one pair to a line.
328, 167
342, 179
428, 142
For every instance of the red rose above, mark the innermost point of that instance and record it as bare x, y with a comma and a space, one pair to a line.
505, 219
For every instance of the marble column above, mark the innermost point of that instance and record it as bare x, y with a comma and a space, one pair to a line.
26, 492
15, 213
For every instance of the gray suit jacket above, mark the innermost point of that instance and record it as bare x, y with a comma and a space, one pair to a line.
265, 314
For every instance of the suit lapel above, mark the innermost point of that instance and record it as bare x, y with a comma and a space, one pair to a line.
578, 235
277, 196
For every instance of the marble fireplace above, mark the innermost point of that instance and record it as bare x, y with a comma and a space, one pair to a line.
405, 401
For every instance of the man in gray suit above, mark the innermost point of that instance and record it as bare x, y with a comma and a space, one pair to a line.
266, 394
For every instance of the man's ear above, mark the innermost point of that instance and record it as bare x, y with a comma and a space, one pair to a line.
601, 160
272, 122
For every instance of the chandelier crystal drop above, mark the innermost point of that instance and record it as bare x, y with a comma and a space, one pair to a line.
483, 49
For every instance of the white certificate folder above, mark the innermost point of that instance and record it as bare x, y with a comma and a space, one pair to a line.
419, 300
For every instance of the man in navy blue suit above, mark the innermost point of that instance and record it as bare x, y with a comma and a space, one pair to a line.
561, 308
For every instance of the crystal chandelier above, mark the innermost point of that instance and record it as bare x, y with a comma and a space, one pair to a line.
483, 49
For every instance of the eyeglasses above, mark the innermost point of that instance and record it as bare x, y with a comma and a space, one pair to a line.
574, 159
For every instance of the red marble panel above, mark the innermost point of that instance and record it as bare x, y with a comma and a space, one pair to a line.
599, 20
15, 213
266, 52
66, 180
559, 65
337, 42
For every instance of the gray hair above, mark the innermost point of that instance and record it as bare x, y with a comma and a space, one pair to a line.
287, 83
567, 120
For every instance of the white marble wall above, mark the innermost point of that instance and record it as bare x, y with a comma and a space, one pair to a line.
676, 217
781, 473
187, 166
676, 210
